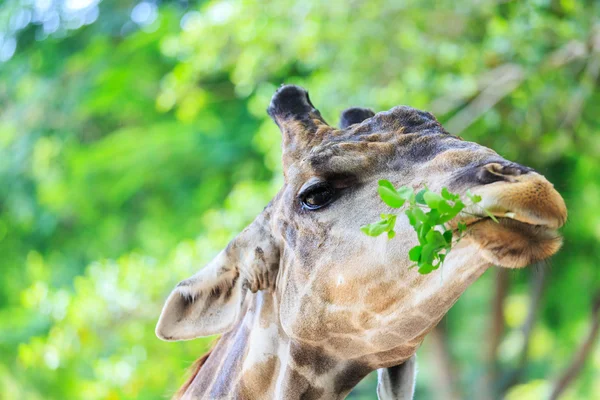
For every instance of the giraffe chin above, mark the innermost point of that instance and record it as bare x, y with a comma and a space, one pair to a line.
511, 243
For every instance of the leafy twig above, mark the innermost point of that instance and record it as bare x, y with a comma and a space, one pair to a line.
428, 213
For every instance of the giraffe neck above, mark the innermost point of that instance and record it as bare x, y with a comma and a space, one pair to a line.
256, 360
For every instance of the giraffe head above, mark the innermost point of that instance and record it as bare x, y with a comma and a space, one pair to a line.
342, 291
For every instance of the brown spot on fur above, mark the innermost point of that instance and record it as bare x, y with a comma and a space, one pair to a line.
411, 325
337, 294
345, 344
353, 373
300, 387
366, 319
340, 322
379, 300
256, 382
384, 339
314, 357
311, 326
317, 322
395, 356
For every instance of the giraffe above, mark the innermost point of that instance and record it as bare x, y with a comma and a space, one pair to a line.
307, 305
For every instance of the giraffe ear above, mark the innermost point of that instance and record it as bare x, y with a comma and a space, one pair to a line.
397, 383
354, 115
210, 302
207, 303
301, 124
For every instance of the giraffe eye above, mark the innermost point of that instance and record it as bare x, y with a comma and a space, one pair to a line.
317, 196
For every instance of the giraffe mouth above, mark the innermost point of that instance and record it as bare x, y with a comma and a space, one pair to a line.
513, 243
530, 199
527, 212
510, 218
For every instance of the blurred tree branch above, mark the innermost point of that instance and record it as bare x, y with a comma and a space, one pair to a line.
587, 84
569, 375
501, 81
447, 371
496, 331
537, 285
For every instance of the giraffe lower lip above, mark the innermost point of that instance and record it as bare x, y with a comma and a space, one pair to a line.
514, 223
513, 244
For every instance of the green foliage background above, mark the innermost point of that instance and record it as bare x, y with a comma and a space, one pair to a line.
134, 144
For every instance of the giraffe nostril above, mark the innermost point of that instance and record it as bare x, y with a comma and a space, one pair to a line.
499, 169
494, 172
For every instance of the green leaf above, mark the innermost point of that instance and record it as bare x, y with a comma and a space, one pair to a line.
462, 227
416, 216
426, 268
386, 224
433, 217
420, 215
458, 207
376, 228
391, 234
410, 214
387, 184
449, 196
390, 197
475, 198
435, 238
415, 253
427, 255
446, 218
432, 199
406, 193
422, 233
445, 207
448, 236
419, 198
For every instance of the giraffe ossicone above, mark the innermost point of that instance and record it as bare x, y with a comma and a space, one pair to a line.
307, 304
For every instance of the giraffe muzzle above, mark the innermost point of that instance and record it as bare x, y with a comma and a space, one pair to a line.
525, 197
529, 211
